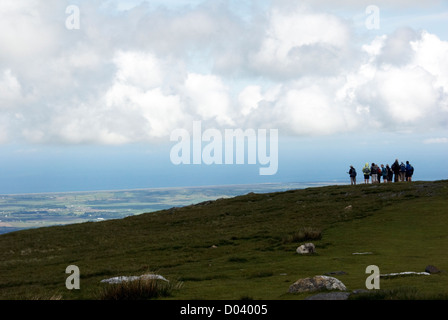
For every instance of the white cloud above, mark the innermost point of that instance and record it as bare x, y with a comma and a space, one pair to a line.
209, 98
300, 42
10, 90
430, 54
397, 48
249, 98
310, 111
25, 30
407, 93
412, 93
138, 69
136, 75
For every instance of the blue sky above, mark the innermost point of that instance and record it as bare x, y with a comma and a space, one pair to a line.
91, 106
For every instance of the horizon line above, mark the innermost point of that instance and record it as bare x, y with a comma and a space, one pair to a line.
330, 182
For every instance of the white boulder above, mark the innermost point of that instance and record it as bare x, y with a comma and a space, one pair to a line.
133, 278
306, 248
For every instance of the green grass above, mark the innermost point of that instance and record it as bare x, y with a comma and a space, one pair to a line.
244, 247
140, 289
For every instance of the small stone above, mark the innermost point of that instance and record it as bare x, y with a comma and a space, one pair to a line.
360, 291
431, 269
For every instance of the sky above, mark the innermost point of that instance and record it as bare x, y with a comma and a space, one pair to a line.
93, 94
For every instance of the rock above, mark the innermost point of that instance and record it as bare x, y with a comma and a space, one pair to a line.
329, 296
403, 274
306, 248
361, 291
431, 269
316, 283
133, 278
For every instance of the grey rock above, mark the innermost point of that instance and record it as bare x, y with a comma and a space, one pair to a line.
316, 283
431, 269
361, 291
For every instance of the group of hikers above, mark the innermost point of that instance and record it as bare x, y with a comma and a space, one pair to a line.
397, 172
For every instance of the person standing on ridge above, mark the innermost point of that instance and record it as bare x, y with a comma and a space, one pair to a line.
374, 173
390, 173
352, 173
384, 173
379, 173
409, 171
366, 172
402, 171
396, 170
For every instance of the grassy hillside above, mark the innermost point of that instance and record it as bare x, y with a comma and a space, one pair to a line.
244, 247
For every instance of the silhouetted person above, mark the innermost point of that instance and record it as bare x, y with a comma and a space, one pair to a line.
390, 173
352, 173
366, 172
396, 170
374, 173
402, 171
409, 171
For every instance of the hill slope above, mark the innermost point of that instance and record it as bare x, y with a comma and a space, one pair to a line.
243, 247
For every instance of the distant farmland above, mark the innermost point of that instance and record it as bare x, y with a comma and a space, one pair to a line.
25, 211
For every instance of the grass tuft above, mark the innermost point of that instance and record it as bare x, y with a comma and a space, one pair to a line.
304, 234
140, 289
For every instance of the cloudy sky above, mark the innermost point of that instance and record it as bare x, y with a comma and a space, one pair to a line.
90, 91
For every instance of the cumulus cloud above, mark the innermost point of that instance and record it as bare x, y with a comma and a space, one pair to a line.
300, 42
10, 90
411, 93
137, 74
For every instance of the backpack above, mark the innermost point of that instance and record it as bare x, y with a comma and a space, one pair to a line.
402, 167
395, 167
379, 170
366, 170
